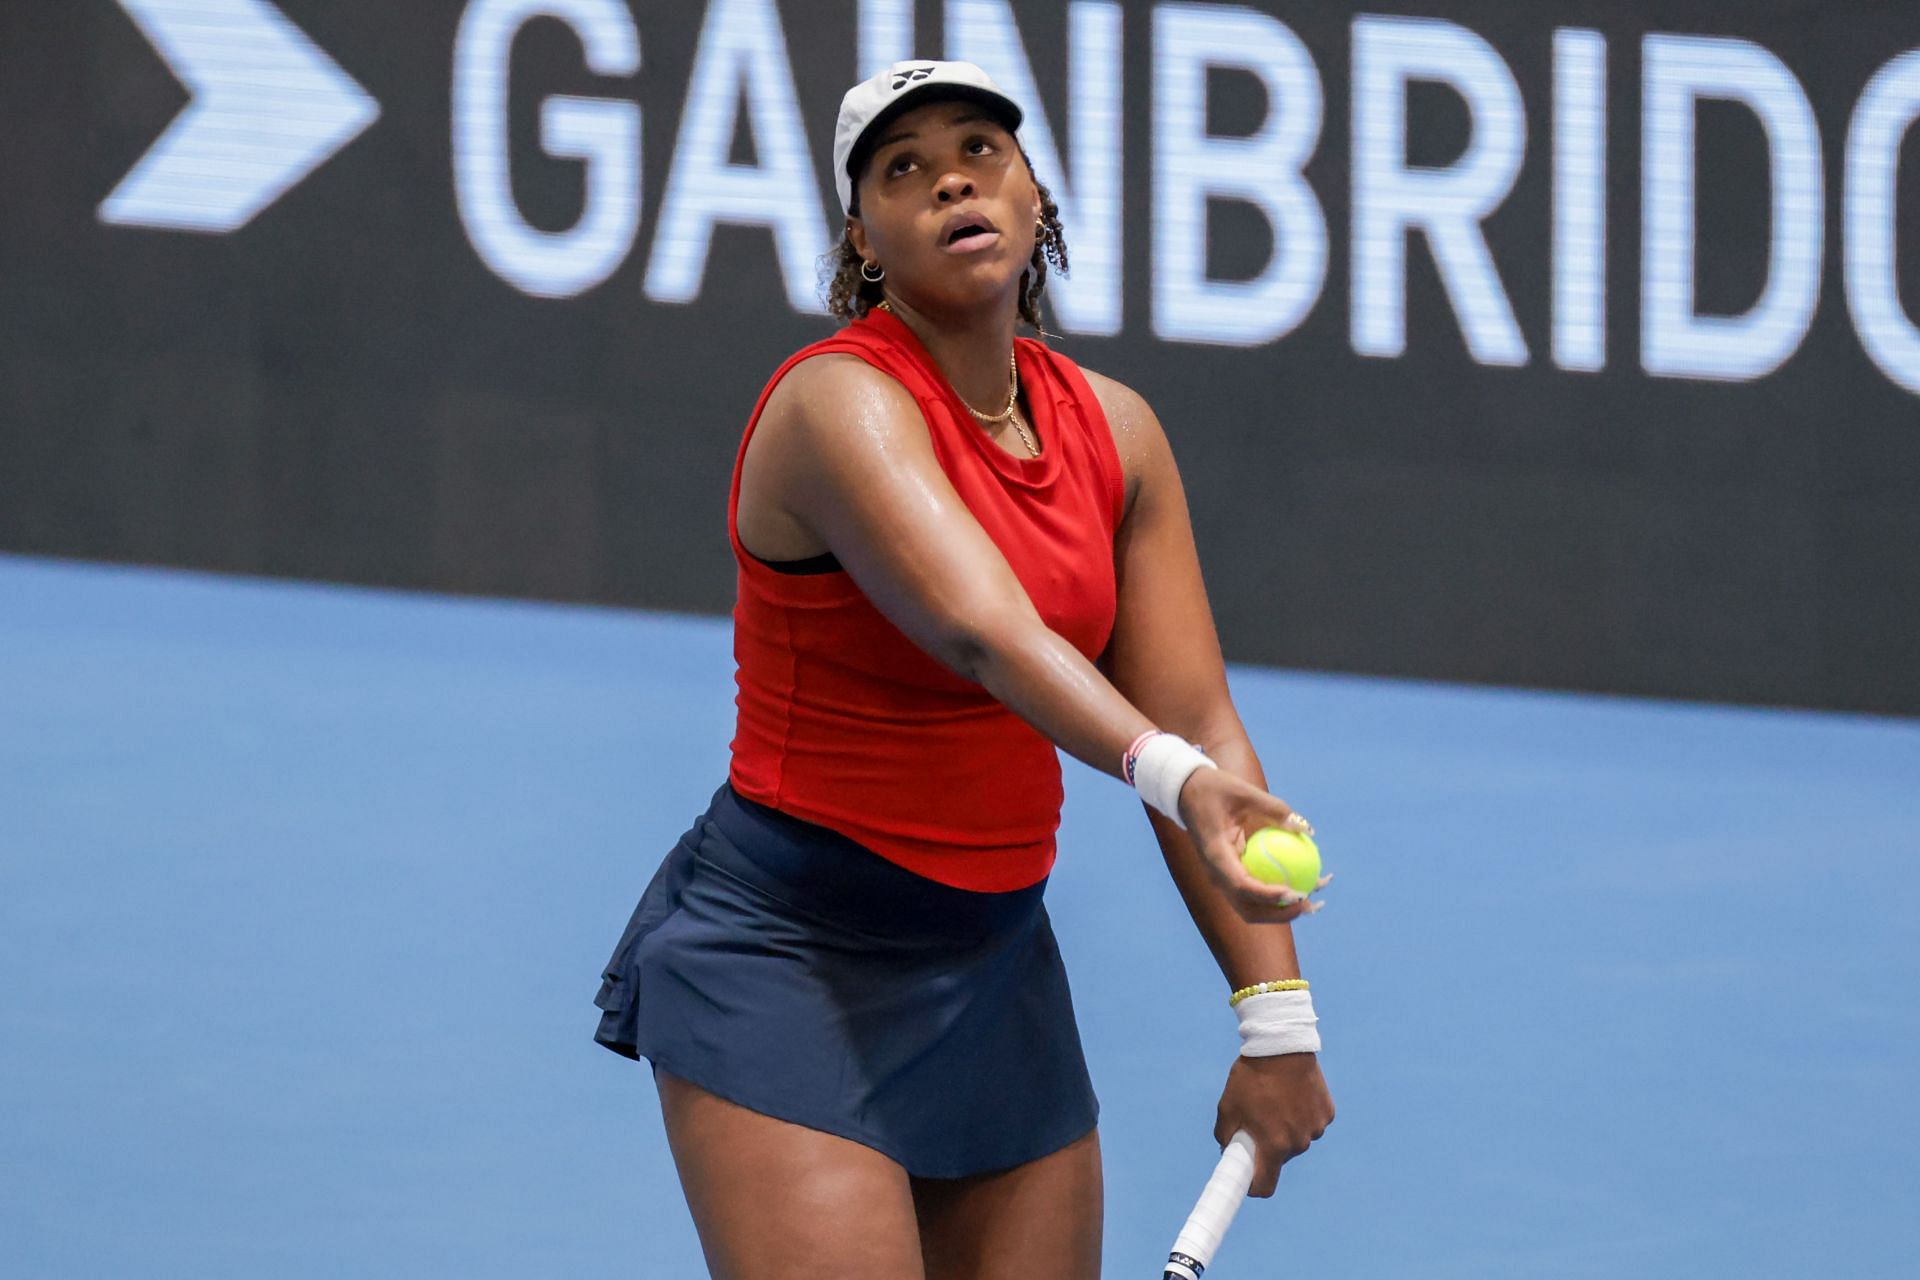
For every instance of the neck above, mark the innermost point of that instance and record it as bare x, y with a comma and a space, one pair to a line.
971, 348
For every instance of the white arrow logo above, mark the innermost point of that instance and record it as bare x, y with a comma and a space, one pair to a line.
268, 107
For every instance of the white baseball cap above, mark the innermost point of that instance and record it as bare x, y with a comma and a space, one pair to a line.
873, 102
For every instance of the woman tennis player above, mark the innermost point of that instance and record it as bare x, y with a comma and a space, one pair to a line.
957, 550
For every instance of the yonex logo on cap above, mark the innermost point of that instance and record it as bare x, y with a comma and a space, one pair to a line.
910, 75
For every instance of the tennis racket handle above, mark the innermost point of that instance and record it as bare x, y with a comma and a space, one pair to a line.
1207, 1224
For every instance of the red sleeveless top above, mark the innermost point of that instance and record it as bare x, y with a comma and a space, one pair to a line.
845, 722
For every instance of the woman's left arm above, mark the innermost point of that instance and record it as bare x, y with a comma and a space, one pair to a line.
1164, 656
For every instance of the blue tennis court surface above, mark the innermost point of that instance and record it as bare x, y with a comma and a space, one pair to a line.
304, 893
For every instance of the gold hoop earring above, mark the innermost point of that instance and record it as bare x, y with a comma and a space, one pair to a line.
879, 272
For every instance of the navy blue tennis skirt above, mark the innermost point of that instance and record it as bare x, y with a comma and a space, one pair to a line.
796, 972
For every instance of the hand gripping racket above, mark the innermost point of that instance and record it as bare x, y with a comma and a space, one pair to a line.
1207, 1224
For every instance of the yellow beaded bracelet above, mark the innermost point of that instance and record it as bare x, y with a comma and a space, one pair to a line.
1261, 988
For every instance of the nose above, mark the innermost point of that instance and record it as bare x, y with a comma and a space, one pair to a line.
953, 186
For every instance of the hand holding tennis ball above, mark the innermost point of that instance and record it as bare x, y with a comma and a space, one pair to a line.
1275, 855
1220, 808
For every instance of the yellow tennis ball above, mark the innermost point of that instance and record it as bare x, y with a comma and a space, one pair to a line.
1275, 855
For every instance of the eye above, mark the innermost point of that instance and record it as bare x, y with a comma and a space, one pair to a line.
985, 144
898, 165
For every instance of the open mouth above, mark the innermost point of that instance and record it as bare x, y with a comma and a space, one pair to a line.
968, 233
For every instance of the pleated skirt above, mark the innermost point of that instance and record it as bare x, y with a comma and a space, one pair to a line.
789, 969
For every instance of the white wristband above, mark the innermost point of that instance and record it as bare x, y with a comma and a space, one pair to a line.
1162, 766
1277, 1022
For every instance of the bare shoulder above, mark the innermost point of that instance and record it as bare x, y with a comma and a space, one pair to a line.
838, 394
1137, 434
830, 413
826, 407
830, 416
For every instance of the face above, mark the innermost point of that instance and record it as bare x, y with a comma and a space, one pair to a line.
947, 206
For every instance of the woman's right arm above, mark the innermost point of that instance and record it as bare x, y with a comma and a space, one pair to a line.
856, 467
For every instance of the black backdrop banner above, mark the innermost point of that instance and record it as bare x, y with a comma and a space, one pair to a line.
1567, 344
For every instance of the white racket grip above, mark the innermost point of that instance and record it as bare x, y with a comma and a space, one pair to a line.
1207, 1225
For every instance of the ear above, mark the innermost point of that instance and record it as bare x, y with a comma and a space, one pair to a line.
857, 233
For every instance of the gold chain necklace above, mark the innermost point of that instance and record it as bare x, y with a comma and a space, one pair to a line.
1032, 447
1013, 398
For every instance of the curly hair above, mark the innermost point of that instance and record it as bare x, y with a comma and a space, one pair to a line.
849, 295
